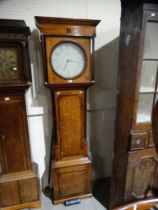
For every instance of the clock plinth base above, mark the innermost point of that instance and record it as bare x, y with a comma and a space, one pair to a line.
19, 190
72, 179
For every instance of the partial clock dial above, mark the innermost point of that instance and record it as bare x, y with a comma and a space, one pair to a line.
8, 64
68, 60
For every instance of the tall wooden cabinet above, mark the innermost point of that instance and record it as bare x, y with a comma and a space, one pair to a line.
18, 177
135, 164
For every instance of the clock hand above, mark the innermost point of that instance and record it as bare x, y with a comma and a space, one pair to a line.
73, 61
67, 61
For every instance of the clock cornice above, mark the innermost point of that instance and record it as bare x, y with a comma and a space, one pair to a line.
70, 27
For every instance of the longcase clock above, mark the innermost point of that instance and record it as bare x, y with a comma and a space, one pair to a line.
18, 179
68, 50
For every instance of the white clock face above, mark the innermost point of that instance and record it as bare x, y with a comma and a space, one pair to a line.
68, 60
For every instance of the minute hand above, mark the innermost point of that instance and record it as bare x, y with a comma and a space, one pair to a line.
74, 61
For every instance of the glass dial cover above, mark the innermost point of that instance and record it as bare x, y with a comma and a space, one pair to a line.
68, 60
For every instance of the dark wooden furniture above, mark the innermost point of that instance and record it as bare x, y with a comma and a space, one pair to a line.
140, 205
135, 163
18, 179
68, 50
155, 126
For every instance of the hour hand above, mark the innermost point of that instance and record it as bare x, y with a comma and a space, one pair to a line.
74, 61
67, 61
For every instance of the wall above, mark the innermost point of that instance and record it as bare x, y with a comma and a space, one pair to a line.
101, 105
101, 110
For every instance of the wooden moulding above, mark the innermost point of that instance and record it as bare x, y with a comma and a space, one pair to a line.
34, 204
17, 28
72, 162
14, 89
70, 27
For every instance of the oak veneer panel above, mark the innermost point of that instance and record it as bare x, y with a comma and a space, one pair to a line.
9, 195
68, 181
70, 119
22, 185
28, 192
14, 148
72, 181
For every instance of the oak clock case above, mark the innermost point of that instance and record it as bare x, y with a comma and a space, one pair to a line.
18, 177
135, 163
68, 49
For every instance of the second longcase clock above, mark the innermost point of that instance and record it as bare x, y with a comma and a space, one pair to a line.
19, 185
68, 48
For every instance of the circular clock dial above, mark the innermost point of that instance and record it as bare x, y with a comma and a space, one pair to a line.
8, 64
68, 60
